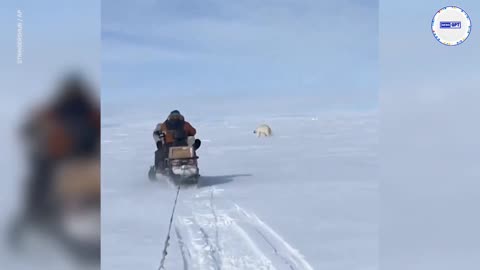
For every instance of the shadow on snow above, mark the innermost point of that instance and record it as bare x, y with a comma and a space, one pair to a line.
207, 181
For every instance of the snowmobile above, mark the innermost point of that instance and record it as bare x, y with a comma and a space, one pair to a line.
180, 164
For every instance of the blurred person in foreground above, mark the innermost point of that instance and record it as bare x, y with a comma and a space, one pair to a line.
63, 187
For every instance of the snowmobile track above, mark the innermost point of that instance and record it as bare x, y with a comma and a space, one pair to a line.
282, 249
286, 261
221, 235
185, 252
212, 248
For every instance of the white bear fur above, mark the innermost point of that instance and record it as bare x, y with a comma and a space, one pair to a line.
263, 131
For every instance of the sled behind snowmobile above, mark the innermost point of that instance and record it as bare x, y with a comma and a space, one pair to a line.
181, 165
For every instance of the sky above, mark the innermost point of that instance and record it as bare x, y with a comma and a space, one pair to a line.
285, 48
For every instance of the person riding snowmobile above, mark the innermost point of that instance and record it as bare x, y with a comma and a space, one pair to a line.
68, 128
63, 131
173, 132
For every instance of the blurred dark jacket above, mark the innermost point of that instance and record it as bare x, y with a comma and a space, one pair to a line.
70, 127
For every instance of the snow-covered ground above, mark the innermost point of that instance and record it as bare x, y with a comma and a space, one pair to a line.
306, 198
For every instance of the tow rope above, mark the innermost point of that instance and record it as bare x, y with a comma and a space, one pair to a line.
167, 240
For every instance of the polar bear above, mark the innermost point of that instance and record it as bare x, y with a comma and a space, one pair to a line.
263, 130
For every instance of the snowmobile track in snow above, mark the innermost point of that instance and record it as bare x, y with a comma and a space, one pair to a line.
221, 235
183, 250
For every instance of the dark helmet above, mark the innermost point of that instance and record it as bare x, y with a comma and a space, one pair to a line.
72, 87
74, 95
175, 115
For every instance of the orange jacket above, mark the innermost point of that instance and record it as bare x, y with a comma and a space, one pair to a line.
169, 137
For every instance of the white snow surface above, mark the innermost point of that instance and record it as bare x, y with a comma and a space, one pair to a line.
306, 198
